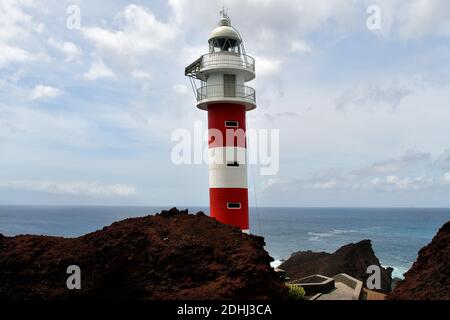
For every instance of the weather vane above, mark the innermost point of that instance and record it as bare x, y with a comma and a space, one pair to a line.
224, 13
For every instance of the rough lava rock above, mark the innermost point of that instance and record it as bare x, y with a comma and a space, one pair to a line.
352, 259
429, 277
172, 255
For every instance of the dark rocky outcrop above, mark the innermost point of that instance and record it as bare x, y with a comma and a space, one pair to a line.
429, 277
172, 255
352, 259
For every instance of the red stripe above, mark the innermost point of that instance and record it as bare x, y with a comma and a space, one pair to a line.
218, 198
218, 113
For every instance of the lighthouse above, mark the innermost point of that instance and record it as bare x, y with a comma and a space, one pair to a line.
219, 81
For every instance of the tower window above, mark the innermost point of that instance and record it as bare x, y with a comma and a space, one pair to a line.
233, 164
231, 124
233, 205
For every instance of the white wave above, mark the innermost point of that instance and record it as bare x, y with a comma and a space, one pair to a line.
316, 236
276, 263
398, 271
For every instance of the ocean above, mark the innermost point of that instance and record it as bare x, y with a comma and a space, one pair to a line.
397, 234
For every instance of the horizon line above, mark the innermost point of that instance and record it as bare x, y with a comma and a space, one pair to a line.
207, 206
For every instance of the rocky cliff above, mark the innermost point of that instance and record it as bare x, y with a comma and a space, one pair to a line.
172, 255
429, 277
352, 259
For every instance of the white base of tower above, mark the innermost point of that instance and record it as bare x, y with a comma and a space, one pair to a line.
246, 231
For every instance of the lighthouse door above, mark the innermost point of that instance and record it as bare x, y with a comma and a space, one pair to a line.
229, 85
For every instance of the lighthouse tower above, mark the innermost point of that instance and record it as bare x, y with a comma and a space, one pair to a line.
223, 73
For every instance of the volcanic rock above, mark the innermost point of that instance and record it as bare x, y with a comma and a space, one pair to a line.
352, 259
429, 277
172, 255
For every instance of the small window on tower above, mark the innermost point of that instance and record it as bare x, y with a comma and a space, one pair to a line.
233, 205
231, 124
233, 164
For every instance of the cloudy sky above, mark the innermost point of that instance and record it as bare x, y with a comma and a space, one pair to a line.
86, 114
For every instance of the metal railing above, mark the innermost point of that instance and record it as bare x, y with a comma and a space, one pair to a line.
226, 91
228, 59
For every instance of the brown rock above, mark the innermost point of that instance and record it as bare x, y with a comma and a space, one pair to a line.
352, 259
429, 277
172, 255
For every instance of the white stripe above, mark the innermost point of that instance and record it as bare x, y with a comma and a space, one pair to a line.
221, 155
223, 176
247, 231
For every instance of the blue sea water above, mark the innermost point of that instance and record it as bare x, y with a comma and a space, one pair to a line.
396, 234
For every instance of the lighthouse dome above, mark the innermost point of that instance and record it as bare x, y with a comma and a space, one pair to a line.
224, 32
224, 37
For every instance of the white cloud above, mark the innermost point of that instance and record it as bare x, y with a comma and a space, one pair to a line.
69, 49
10, 54
392, 183
267, 66
99, 70
411, 158
411, 172
413, 19
280, 21
419, 18
42, 91
300, 46
41, 128
132, 43
16, 29
330, 184
94, 188
139, 34
446, 177
375, 95
270, 25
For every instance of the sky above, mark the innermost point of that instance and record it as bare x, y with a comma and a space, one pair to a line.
87, 110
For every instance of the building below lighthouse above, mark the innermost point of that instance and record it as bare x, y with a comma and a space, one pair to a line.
223, 93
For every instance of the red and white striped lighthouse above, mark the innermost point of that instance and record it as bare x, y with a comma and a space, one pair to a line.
223, 73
